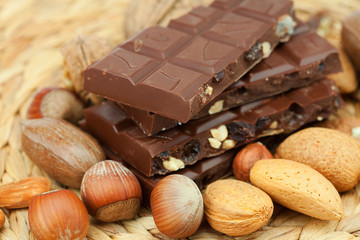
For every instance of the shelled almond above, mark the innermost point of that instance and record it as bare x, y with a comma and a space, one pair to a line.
18, 194
2, 218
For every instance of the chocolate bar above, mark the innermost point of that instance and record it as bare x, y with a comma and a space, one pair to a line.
175, 71
203, 172
184, 145
351, 37
306, 58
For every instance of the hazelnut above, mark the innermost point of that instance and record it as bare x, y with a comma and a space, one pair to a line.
173, 164
285, 27
266, 48
55, 102
228, 144
58, 214
209, 90
177, 206
2, 218
214, 143
220, 133
236, 208
111, 192
246, 158
216, 107
273, 125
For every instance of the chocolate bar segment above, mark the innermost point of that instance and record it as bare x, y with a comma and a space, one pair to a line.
184, 145
202, 173
175, 71
306, 58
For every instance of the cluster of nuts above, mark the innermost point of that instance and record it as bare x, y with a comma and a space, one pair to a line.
312, 167
219, 138
110, 192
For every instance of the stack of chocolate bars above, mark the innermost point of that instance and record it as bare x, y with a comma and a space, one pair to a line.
181, 99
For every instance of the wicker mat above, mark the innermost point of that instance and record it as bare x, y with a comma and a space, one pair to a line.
32, 33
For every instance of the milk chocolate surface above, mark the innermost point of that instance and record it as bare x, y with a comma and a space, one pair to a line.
351, 37
306, 58
185, 145
175, 71
203, 172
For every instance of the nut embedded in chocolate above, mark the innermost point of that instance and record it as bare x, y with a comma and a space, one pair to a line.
217, 107
285, 27
114, 129
282, 71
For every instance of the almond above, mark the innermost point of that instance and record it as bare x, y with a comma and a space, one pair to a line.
61, 149
298, 187
346, 80
2, 218
18, 194
332, 153
236, 208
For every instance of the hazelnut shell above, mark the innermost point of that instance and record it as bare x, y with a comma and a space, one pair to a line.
56, 102
246, 158
111, 192
177, 206
58, 215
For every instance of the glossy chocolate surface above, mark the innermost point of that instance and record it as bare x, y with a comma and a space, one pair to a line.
175, 71
306, 58
192, 141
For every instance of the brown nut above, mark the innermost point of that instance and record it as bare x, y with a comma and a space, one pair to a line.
346, 80
177, 206
2, 218
236, 208
58, 214
55, 102
78, 54
298, 187
111, 192
348, 125
18, 194
332, 153
61, 149
351, 37
246, 158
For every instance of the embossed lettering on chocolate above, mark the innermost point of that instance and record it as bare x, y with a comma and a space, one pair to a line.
175, 71
175, 148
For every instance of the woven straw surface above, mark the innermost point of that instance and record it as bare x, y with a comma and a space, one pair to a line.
32, 32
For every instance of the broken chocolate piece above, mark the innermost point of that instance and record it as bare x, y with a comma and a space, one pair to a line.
306, 58
167, 70
211, 136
